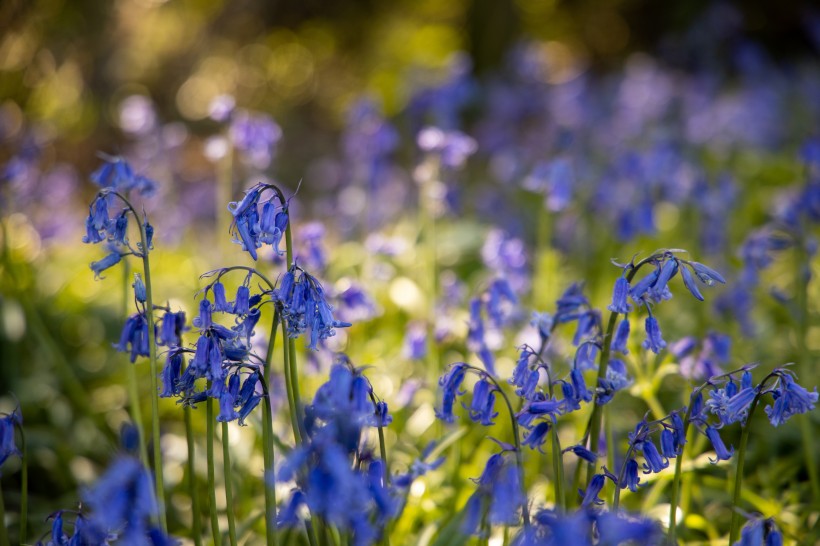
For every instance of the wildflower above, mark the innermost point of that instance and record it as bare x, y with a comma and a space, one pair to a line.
481, 410
450, 383
653, 341
616, 528
304, 306
537, 436
171, 328
720, 448
586, 355
591, 494
789, 399
569, 303
578, 384
543, 323
621, 337
507, 498
117, 174
689, 283
641, 287
171, 374
501, 301
654, 462
668, 447
123, 499
7, 444
415, 341
631, 478
109, 261
582, 452
135, 335
658, 290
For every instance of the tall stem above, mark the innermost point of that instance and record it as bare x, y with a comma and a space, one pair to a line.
4, 532
676, 480
557, 460
519, 456
271, 537
196, 528
226, 468
152, 356
603, 363
803, 359
23, 487
209, 433
133, 384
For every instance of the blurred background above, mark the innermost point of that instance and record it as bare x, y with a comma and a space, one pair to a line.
566, 134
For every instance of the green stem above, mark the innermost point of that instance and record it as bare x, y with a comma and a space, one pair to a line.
734, 530
294, 412
196, 528
804, 361
557, 460
226, 466
4, 532
209, 432
676, 481
271, 537
152, 355
610, 451
519, 456
311, 533
594, 428
133, 384
23, 487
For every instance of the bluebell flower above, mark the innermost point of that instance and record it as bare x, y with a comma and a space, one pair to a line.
658, 290
528, 390
569, 303
171, 327
654, 341
8, 447
720, 448
139, 288
751, 534
481, 409
543, 322
582, 453
616, 379
220, 300
123, 500
621, 338
242, 303
507, 497
288, 515
472, 514
485, 355
678, 430
415, 341
134, 335
521, 372
117, 174
580, 387
617, 528
171, 374
589, 325
707, 275
110, 260
789, 399
689, 283
304, 307
641, 287
226, 406
586, 355
654, 461
631, 478
501, 301
537, 436
668, 445
450, 383
590, 496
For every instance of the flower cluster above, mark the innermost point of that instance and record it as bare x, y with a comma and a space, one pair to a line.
253, 225
301, 301
552, 528
335, 475
221, 356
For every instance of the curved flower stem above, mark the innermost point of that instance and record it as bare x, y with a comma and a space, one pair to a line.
594, 429
519, 456
226, 465
734, 530
152, 356
616, 501
133, 385
294, 411
557, 459
209, 432
267, 440
196, 528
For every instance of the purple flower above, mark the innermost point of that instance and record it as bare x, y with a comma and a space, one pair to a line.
654, 340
